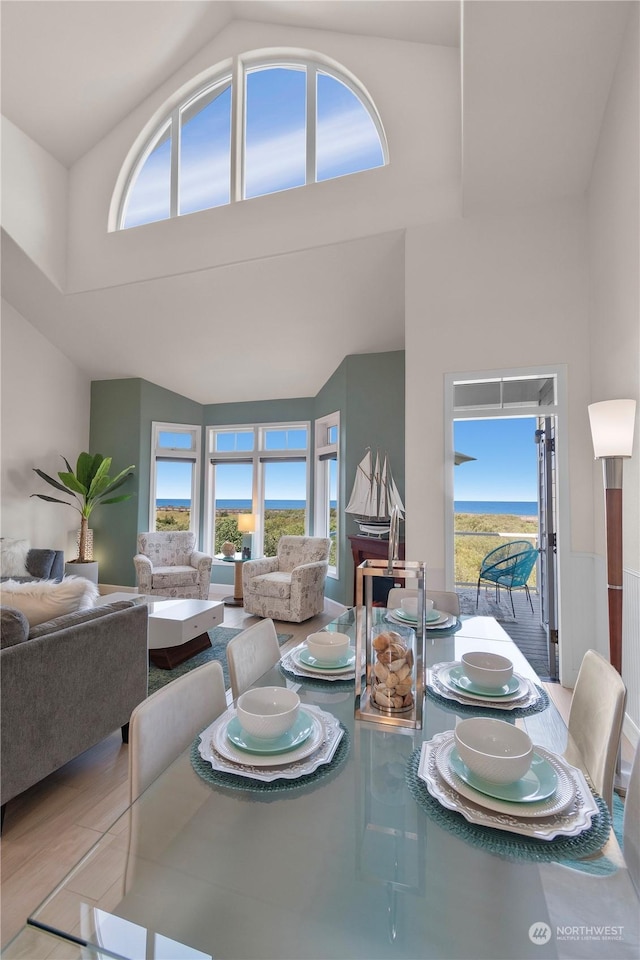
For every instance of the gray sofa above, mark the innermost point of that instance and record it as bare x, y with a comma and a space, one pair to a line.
42, 565
65, 685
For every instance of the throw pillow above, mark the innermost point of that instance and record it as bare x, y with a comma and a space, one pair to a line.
13, 557
43, 600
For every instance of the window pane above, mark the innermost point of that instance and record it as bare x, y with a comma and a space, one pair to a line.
173, 494
285, 502
229, 442
149, 196
205, 152
285, 439
332, 435
346, 136
233, 485
172, 441
332, 466
275, 133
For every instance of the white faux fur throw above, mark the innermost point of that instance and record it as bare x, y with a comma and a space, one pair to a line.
13, 557
42, 600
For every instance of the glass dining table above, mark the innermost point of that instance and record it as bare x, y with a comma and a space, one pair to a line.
360, 862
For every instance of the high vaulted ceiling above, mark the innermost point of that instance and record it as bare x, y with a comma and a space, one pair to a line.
536, 76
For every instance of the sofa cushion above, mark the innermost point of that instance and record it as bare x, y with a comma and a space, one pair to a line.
13, 557
40, 562
277, 584
43, 600
80, 616
14, 627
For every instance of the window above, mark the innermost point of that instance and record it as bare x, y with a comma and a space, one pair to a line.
297, 121
260, 470
327, 434
175, 469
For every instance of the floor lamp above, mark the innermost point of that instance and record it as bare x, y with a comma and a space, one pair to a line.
612, 423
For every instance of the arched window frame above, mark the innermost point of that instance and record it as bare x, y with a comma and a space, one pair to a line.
234, 72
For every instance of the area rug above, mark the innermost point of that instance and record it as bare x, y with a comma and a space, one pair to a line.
220, 637
487, 605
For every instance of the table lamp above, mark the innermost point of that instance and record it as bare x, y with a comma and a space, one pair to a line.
612, 423
246, 526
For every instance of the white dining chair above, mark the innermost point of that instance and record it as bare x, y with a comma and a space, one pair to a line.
443, 600
595, 722
631, 823
164, 724
250, 654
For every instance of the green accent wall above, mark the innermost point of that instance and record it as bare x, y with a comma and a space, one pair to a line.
367, 389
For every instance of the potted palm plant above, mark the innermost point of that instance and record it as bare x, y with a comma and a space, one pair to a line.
90, 485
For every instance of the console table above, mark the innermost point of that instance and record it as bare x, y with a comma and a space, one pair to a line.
373, 548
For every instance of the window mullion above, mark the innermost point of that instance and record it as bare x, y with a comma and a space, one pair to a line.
175, 155
312, 86
237, 130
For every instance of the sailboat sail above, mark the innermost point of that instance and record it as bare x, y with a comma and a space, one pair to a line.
374, 494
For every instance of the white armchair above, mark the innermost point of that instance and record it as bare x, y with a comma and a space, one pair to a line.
167, 564
289, 586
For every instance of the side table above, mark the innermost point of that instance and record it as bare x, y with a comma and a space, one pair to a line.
237, 600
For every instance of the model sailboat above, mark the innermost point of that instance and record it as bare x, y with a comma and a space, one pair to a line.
374, 495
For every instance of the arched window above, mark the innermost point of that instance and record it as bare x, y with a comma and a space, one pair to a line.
289, 121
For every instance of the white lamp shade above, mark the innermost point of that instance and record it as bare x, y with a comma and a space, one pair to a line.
246, 522
612, 423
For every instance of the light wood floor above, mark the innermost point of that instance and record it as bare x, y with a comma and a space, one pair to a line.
48, 828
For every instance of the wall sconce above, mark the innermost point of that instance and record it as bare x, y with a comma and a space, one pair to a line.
246, 526
612, 423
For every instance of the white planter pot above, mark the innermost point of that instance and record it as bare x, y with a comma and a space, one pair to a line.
88, 569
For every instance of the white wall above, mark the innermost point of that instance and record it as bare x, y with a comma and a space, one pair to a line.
34, 202
493, 294
45, 414
417, 90
614, 326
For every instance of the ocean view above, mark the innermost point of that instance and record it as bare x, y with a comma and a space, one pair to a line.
520, 508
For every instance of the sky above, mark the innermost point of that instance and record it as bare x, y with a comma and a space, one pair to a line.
275, 136
505, 467
506, 464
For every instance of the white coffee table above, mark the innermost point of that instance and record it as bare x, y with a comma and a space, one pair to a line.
178, 629
177, 626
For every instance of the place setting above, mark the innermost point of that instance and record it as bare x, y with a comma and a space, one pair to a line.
488, 783
326, 656
407, 615
486, 681
269, 741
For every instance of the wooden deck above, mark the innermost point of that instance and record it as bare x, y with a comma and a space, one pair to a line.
528, 634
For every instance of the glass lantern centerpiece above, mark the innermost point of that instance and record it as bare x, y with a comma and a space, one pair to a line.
391, 690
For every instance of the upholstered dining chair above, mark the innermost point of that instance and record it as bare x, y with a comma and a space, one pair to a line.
168, 564
289, 586
595, 722
166, 722
250, 654
444, 600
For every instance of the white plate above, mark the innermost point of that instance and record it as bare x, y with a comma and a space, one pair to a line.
229, 751
339, 672
433, 616
560, 800
444, 620
331, 736
294, 666
570, 822
444, 670
346, 662
528, 699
